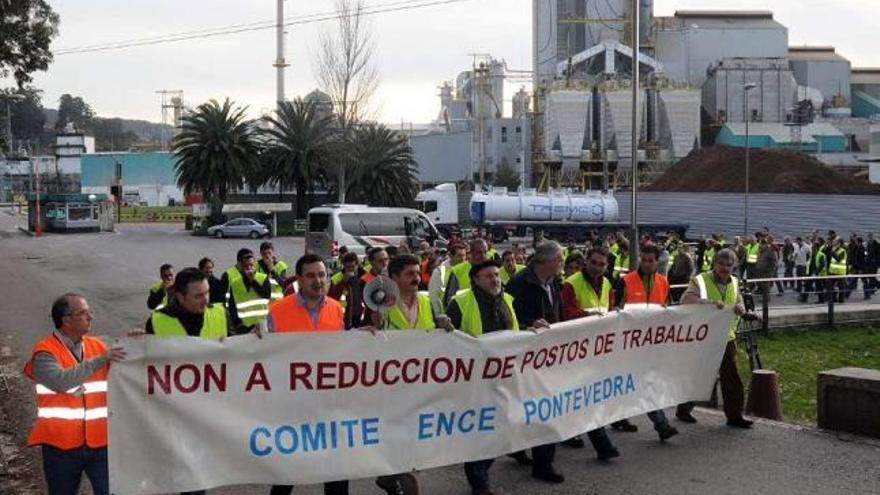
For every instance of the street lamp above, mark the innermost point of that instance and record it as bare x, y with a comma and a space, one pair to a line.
746, 88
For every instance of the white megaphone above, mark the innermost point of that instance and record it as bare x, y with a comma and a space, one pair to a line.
380, 295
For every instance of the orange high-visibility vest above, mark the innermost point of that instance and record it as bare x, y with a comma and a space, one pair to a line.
288, 316
78, 416
636, 293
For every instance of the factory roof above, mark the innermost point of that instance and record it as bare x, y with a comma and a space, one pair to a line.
814, 54
725, 14
719, 19
865, 75
781, 133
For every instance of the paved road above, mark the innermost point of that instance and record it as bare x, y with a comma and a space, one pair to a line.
113, 271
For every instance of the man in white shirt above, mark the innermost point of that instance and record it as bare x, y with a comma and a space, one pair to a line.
440, 277
802, 252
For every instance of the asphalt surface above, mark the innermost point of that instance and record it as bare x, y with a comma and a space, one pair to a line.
113, 270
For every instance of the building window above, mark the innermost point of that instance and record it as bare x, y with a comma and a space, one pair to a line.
518, 160
503, 134
518, 130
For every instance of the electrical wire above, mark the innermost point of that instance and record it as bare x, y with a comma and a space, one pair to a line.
254, 26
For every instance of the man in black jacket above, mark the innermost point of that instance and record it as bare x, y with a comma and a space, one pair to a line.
537, 301
218, 292
872, 261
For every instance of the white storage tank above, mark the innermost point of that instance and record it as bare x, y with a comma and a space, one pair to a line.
555, 206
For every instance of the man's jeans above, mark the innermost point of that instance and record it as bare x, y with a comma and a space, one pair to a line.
64, 468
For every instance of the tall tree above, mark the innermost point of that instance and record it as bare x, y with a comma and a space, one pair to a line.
385, 168
111, 135
347, 72
26, 31
297, 149
217, 148
74, 110
28, 118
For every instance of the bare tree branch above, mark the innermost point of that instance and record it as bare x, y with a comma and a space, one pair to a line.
347, 72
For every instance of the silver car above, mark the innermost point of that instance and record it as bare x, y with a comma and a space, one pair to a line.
239, 227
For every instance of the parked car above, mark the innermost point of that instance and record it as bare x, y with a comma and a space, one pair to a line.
239, 227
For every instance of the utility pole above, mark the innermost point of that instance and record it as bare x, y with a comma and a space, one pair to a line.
35, 169
280, 62
634, 242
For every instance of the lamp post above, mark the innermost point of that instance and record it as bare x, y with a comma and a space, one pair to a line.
634, 217
746, 88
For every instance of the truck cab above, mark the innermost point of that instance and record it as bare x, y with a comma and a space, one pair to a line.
440, 205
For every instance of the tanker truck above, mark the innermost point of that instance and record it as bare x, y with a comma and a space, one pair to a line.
559, 214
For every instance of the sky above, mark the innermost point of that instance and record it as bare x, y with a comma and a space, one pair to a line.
416, 50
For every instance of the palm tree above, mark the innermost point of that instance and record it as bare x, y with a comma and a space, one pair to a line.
297, 149
217, 151
384, 171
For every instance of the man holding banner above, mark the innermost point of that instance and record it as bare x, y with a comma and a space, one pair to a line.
190, 314
645, 286
721, 287
69, 369
588, 293
309, 310
482, 309
537, 302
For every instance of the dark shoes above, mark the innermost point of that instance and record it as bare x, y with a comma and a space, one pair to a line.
521, 458
624, 425
608, 454
399, 484
685, 417
666, 432
740, 423
482, 491
547, 474
575, 442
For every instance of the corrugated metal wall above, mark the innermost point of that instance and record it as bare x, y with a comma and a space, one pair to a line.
783, 214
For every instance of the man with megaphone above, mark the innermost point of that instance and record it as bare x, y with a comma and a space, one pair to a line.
400, 306
411, 309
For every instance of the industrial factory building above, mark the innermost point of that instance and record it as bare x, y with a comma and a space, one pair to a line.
703, 75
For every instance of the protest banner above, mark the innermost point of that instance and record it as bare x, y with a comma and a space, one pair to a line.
189, 414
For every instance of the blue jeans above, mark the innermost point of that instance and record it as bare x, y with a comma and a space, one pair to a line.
658, 417
64, 468
599, 439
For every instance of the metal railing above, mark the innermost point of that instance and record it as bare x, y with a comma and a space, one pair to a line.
832, 288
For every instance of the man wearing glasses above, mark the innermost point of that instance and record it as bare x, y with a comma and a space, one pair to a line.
69, 371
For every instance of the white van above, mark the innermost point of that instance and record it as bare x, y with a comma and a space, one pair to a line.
359, 227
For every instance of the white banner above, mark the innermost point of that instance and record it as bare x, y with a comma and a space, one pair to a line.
188, 414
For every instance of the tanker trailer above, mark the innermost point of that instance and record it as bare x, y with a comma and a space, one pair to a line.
559, 214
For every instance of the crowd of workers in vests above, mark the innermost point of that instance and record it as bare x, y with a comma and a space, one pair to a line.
469, 286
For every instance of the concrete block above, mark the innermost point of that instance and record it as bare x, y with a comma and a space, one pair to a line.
848, 399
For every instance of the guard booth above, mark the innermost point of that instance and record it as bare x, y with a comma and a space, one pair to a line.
71, 212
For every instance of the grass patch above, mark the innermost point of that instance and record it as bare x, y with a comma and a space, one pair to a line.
799, 354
